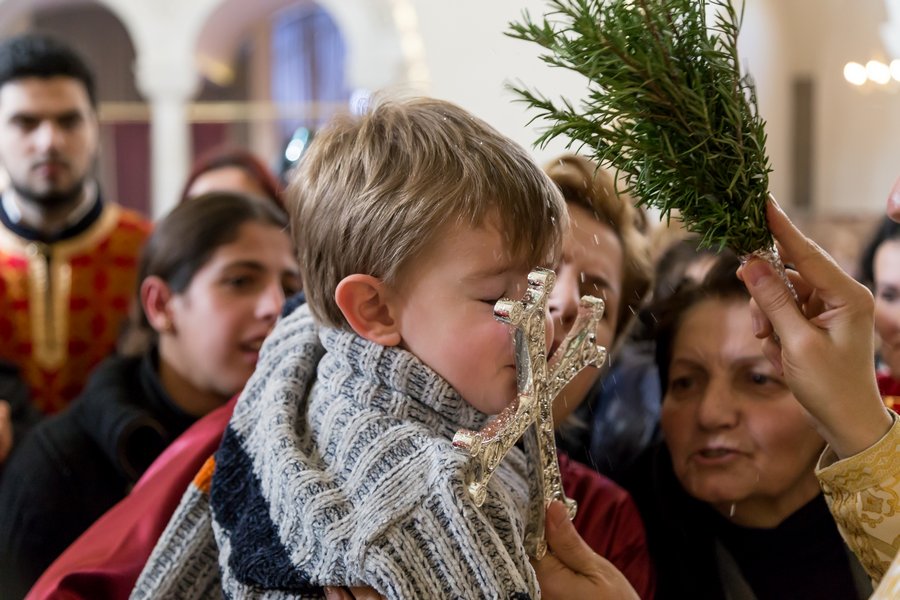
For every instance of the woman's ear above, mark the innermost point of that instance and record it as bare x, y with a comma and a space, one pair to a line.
155, 297
368, 306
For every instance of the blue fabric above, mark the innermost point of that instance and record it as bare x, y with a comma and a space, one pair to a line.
619, 419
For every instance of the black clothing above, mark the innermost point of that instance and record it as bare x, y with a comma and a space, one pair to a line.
700, 554
70, 231
74, 466
23, 414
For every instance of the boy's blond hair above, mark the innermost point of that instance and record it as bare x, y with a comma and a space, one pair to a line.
374, 191
585, 185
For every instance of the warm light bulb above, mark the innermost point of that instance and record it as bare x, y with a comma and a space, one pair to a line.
895, 69
878, 72
855, 73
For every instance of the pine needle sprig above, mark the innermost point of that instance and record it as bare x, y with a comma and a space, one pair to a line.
666, 107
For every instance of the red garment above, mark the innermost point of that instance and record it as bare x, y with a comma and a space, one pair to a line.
106, 560
890, 390
62, 304
609, 522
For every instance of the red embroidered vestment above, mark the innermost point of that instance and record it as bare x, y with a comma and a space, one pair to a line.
62, 304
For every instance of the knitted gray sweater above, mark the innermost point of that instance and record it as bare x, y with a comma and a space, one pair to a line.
337, 469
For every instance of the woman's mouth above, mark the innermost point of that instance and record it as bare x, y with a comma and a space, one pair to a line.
716, 455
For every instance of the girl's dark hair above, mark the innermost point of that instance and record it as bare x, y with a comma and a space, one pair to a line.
887, 230
226, 156
184, 241
721, 283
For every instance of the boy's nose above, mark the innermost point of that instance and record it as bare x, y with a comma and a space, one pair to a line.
549, 331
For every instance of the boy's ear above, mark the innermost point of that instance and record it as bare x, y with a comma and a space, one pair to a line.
367, 305
155, 297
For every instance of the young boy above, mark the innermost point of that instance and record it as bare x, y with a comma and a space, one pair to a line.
336, 468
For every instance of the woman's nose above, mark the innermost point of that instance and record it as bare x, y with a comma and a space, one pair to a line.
718, 408
564, 300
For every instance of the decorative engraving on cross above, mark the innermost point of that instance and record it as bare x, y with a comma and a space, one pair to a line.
538, 383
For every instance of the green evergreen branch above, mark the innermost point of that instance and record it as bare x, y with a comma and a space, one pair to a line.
666, 107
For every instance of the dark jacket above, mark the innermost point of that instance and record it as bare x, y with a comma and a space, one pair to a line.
619, 418
74, 466
702, 555
22, 412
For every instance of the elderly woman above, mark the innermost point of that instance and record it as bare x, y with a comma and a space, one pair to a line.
730, 501
822, 351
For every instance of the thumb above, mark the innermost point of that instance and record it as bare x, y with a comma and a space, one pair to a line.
565, 543
772, 295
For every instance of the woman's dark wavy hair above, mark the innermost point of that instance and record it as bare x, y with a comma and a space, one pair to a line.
887, 230
721, 282
183, 242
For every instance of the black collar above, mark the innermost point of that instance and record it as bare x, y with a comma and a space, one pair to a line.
71, 231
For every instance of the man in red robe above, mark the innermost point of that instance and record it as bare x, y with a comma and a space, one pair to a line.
68, 259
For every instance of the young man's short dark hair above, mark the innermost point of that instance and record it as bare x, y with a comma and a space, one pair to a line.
33, 55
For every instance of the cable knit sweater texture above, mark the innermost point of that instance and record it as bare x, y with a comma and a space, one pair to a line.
337, 469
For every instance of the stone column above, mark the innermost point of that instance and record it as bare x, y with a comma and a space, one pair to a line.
165, 34
168, 82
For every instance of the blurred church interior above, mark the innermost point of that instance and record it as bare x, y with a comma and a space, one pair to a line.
177, 77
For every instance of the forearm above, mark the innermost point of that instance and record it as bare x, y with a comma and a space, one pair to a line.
864, 425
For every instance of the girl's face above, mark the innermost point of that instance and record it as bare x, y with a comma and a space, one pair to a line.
737, 435
219, 322
886, 268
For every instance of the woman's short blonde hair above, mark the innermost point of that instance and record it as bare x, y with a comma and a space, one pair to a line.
374, 191
584, 184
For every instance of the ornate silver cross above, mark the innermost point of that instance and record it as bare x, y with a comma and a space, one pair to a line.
538, 384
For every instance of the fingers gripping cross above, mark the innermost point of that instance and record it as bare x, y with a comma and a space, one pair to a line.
538, 383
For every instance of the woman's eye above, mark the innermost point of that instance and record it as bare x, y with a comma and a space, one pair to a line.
765, 382
680, 384
239, 282
888, 295
759, 378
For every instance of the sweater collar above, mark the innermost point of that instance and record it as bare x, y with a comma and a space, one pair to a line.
399, 376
